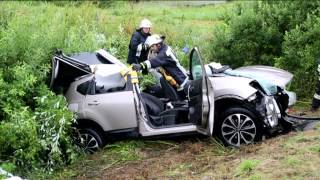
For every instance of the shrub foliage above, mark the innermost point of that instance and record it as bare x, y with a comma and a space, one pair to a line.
276, 33
35, 124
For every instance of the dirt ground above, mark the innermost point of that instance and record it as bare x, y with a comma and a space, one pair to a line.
199, 160
293, 155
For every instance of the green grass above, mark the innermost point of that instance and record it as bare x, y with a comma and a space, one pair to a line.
255, 176
292, 161
247, 166
124, 151
177, 170
182, 26
112, 155
216, 148
196, 159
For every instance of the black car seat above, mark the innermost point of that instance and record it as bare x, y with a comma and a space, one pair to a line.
154, 105
158, 114
169, 91
176, 99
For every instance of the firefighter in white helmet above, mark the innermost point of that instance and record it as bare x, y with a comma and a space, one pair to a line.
165, 58
137, 48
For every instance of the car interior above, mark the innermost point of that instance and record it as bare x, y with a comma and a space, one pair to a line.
170, 109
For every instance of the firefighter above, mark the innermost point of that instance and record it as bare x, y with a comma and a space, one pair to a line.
137, 48
316, 97
169, 65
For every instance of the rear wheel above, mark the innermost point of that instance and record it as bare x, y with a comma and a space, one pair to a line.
90, 140
237, 126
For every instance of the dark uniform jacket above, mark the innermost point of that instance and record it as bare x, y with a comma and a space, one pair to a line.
137, 38
168, 61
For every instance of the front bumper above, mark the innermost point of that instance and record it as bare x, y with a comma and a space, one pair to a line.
268, 109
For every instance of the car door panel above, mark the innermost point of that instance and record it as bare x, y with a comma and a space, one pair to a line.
114, 110
199, 94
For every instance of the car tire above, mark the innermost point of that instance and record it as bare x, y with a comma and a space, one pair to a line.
233, 133
91, 140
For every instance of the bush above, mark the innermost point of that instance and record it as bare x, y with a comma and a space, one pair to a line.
35, 124
55, 129
34, 132
301, 52
281, 34
246, 38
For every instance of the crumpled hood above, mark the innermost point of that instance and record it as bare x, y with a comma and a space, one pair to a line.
274, 75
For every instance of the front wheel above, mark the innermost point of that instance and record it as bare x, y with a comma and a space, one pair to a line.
237, 126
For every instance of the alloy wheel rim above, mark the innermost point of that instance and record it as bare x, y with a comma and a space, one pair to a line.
238, 129
89, 143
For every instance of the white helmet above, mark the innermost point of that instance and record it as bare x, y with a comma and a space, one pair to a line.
153, 39
145, 23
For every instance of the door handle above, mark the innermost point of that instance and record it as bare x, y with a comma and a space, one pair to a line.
94, 103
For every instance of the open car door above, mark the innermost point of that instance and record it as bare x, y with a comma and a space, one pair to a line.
200, 94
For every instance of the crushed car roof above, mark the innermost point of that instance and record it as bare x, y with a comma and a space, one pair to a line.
90, 58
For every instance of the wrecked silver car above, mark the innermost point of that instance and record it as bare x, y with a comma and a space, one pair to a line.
239, 106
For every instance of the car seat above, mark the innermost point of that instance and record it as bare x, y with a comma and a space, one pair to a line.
157, 112
169, 91
172, 94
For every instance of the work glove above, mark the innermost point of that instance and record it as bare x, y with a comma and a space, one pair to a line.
136, 67
140, 67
